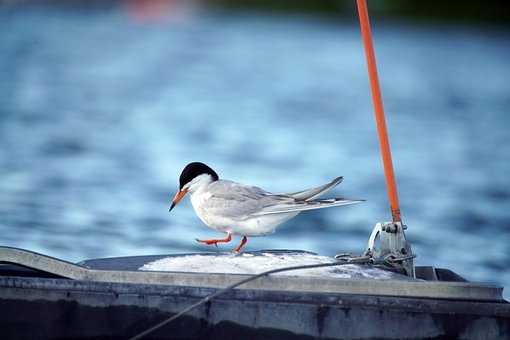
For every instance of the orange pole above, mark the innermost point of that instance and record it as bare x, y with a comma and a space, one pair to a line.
379, 110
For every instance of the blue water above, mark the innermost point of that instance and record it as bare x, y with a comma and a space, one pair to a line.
99, 113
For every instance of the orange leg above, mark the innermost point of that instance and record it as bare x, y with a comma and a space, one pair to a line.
215, 242
243, 242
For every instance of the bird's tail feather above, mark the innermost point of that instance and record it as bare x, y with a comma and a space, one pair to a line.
299, 206
313, 193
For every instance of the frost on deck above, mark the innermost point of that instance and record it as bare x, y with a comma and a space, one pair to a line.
257, 262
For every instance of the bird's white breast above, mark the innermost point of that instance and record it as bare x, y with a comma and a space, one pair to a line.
211, 219
198, 200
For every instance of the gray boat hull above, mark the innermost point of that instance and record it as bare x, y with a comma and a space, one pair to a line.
34, 308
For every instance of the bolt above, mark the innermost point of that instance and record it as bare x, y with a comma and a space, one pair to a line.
390, 228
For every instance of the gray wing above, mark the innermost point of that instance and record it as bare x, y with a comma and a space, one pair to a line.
298, 206
238, 201
310, 194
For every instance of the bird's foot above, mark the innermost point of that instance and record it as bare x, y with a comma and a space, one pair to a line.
243, 242
215, 241
208, 242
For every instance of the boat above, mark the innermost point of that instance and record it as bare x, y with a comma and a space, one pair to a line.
114, 298
266, 294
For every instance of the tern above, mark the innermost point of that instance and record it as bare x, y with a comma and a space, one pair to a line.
244, 210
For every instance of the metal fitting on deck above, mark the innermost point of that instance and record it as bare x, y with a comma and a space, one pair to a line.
392, 249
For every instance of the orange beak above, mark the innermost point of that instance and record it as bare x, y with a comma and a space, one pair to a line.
178, 196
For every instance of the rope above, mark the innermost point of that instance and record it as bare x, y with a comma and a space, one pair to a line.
379, 110
235, 285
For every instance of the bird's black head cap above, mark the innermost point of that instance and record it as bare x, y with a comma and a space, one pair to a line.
193, 170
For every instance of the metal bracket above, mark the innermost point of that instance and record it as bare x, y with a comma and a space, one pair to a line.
393, 249
393, 246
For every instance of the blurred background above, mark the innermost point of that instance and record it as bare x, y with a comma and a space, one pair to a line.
102, 103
